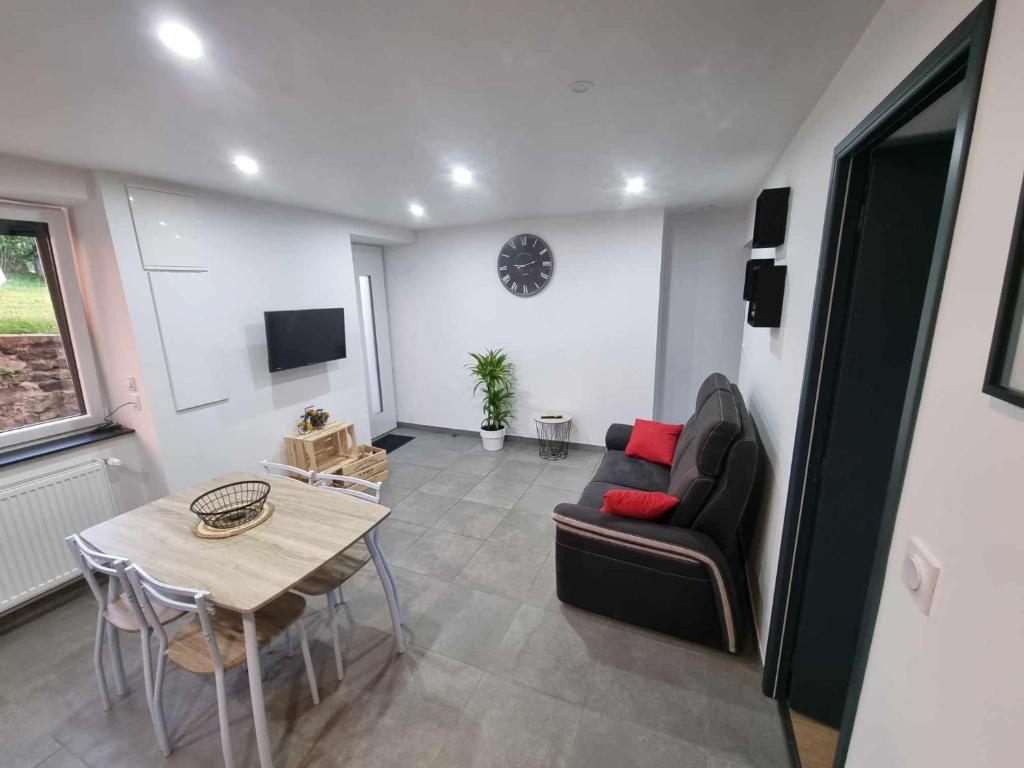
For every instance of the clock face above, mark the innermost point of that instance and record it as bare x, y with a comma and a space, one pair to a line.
525, 265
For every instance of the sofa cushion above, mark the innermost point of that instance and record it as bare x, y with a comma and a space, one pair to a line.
619, 469
593, 495
701, 452
643, 505
654, 441
709, 434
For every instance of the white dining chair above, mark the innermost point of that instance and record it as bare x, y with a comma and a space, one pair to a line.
211, 643
116, 613
328, 580
287, 470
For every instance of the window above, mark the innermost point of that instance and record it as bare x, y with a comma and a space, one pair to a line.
48, 382
370, 343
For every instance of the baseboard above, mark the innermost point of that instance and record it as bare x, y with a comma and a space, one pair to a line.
42, 603
508, 438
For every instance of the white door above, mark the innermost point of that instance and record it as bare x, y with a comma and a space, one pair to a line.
373, 324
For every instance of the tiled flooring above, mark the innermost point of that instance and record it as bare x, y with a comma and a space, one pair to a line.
498, 672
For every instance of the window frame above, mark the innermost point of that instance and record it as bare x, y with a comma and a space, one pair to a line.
74, 323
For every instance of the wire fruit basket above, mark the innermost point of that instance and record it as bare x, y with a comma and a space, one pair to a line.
231, 505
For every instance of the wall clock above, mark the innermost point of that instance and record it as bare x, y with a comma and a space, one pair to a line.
525, 265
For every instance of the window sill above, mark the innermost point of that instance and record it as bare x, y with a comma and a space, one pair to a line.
11, 456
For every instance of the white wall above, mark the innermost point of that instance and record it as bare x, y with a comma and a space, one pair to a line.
261, 257
585, 344
703, 310
946, 689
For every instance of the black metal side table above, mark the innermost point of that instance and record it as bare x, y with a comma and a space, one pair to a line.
553, 430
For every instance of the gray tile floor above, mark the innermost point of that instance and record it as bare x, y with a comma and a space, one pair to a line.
498, 672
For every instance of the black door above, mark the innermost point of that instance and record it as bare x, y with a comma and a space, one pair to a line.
904, 183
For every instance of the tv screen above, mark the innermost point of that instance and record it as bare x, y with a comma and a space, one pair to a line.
304, 336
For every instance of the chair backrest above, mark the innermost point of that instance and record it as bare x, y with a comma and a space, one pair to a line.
91, 561
287, 470
372, 492
150, 590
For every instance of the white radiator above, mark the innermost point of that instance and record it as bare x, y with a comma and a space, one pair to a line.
35, 516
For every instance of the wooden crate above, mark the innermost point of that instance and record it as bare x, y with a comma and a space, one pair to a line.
322, 448
366, 462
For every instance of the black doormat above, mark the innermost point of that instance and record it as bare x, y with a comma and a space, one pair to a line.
391, 442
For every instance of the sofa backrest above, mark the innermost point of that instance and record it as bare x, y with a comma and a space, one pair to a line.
716, 382
703, 447
722, 513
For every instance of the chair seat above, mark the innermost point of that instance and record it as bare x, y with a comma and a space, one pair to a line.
335, 571
190, 650
120, 614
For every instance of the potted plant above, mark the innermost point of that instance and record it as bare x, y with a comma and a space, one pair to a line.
493, 372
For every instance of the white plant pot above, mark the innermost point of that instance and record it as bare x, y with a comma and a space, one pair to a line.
494, 439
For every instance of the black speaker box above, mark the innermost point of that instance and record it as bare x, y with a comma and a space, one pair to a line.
769, 286
770, 218
748, 281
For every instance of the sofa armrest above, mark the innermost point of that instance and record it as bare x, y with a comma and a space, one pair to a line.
617, 437
666, 540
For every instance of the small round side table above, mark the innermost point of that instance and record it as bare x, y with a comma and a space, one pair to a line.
553, 428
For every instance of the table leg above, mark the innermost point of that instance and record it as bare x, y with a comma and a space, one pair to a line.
387, 580
259, 712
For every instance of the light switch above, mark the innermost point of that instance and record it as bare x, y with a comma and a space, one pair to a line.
920, 574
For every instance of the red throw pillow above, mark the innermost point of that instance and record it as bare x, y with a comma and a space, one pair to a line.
645, 505
654, 441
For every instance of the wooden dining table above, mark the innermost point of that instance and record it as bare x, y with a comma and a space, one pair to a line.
308, 527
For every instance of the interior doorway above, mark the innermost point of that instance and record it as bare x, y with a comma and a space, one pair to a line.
372, 299
892, 205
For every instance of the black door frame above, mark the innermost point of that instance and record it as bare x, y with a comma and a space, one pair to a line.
960, 54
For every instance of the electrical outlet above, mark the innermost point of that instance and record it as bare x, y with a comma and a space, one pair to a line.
136, 402
130, 382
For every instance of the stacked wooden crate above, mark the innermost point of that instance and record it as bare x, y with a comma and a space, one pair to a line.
333, 449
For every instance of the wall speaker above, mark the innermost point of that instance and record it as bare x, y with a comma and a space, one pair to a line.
767, 291
748, 281
770, 218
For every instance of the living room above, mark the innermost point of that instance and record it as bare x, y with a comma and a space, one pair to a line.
638, 211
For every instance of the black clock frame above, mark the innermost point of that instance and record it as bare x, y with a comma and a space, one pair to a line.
529, 245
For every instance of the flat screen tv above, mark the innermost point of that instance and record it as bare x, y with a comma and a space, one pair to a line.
304, 336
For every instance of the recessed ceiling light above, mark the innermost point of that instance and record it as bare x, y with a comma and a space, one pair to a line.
462, 176
180, 39
416, 209
246, 165
635, 185
581, 86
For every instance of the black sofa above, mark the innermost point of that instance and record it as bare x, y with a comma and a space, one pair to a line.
682, 574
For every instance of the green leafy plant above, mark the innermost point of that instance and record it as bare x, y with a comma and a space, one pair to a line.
493, 373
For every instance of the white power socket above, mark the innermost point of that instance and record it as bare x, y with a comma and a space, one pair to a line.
136, 402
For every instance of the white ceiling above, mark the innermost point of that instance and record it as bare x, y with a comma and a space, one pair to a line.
360, 107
